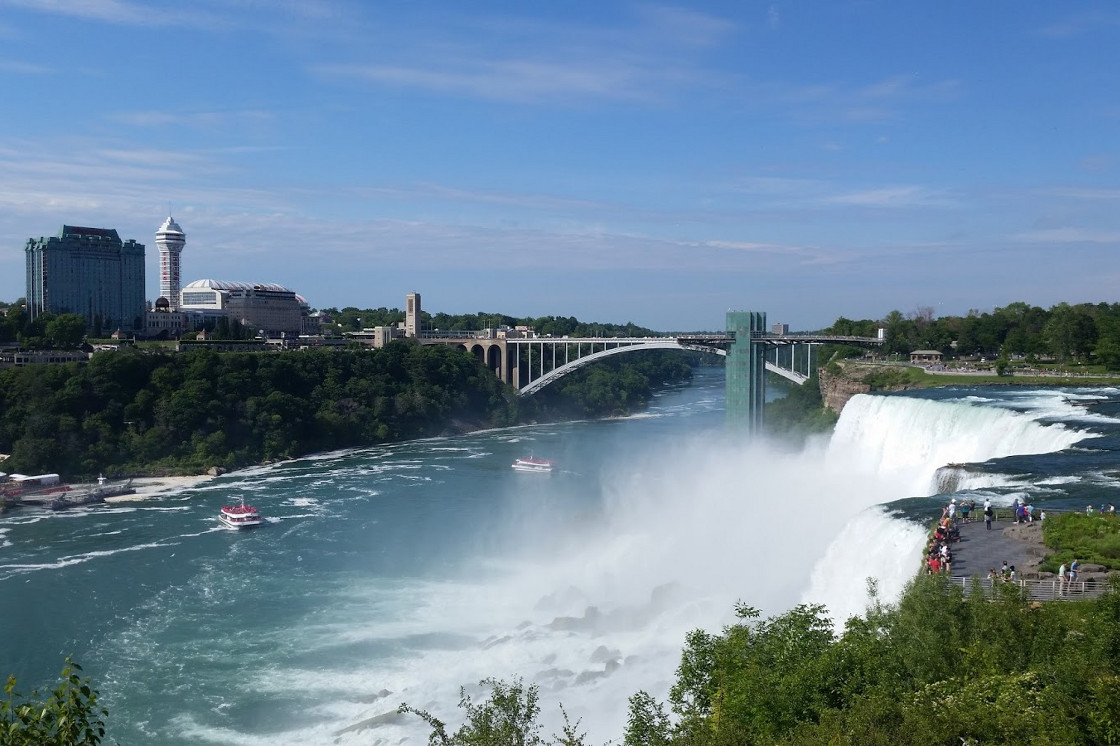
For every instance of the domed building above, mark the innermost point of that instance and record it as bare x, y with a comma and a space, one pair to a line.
266, 308
162, 322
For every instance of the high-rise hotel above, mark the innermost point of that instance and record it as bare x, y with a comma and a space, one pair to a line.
90, 272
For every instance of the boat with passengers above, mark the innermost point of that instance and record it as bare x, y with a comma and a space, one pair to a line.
539, 465
240, 516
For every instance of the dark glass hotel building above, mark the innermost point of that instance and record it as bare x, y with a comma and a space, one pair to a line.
90, 272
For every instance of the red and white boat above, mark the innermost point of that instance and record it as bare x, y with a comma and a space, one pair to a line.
540, 465
240, 516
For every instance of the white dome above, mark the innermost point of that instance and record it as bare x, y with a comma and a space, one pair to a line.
226, 285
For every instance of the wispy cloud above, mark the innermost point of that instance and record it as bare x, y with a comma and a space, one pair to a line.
1081, 23
202, 120
24, 68
652, 57
109, 11
879, 101
1084, 193
519, 80
892, 197
215, 14
1070, 235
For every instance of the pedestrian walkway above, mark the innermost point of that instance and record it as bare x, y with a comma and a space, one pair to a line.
980, 549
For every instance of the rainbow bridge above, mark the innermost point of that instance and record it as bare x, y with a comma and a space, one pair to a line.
531, 363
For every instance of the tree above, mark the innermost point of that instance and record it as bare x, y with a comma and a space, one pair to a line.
66, 330
70, 716
507, 718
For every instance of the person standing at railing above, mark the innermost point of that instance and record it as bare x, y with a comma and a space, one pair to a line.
988, 515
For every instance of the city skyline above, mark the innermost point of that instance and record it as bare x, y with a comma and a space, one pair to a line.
659, 163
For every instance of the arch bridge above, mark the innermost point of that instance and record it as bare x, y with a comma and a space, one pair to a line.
531, 363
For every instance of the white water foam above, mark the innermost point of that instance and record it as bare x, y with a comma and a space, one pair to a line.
873, 545
907, 439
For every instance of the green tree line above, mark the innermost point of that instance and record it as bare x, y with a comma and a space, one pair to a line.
155, 411
129, 411
1085, 332
351, 319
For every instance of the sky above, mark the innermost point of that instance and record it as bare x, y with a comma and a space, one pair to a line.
660, 163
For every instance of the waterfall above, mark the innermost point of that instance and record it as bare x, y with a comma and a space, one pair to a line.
912, 438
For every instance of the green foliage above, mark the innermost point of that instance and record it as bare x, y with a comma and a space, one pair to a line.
889, 379
647, 723
1089, 538
939, 667
66, 330
1082, 333
129, 411
800, 412
69, 716
508, 717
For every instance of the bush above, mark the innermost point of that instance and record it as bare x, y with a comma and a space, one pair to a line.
70, 716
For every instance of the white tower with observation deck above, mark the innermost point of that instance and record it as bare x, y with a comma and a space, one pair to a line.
170, 240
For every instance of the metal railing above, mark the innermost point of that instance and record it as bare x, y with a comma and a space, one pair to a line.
1048, 589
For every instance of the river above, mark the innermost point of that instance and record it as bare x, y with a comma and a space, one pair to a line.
401, 573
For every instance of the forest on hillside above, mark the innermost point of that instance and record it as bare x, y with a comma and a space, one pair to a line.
152, 411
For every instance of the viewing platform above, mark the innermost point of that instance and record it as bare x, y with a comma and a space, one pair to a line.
1020, 546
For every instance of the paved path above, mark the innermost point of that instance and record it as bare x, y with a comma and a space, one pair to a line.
980, 549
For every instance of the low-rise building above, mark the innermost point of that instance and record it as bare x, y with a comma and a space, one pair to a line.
926, 357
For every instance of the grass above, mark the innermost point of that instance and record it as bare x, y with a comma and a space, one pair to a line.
903, 376
1093, 539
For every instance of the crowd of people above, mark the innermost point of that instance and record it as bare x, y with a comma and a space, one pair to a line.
939, 555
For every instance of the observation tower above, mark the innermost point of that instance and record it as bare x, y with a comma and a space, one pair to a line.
170, 240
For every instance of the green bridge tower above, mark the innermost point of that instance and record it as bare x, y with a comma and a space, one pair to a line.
746, 371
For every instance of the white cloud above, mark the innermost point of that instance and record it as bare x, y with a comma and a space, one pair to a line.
202, 120
23, 68
1069, 235
1081, 23
892, 197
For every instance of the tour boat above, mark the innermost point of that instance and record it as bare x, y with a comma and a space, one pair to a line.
239, 516
533, 464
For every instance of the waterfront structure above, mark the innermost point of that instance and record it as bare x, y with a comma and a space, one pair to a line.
170, 240
90, 272
412, 315
265, 308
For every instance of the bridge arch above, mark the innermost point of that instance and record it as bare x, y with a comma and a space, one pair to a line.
560, 371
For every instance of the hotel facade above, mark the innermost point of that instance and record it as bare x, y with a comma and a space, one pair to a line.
90, 272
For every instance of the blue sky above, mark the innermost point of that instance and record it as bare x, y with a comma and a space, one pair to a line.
646, 162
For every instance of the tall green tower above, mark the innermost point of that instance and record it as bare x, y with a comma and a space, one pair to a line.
746, 371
